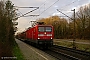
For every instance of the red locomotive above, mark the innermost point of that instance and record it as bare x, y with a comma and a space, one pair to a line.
41, 35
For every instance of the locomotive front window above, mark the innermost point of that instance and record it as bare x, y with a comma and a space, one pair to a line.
41, 29
48, 29
44, 29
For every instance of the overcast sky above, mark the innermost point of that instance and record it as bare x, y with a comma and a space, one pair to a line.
47, 8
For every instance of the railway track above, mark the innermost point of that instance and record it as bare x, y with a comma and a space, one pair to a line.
84, 53
55, 54
60, 55
64, 53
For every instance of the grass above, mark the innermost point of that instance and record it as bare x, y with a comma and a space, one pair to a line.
17, 53
64, 43
84, 47
77, 40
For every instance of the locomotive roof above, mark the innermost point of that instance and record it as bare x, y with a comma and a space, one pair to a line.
44, 25
38, 25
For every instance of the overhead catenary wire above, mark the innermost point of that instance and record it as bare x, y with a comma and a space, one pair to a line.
66, 10
49, 7
20, 12
25, 7
43, 3
26, 13
44, 7
61, 8
30, 15
30, 11
64, 14
68, 4
23, 15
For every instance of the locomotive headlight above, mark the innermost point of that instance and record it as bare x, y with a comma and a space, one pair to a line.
45, 33
51, 37
38, 38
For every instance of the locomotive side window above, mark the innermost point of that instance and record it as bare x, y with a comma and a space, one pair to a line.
41, 29
48, 29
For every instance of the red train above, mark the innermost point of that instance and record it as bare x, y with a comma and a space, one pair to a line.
41, 35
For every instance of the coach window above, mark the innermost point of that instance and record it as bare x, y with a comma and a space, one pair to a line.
41, 29
48, 29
